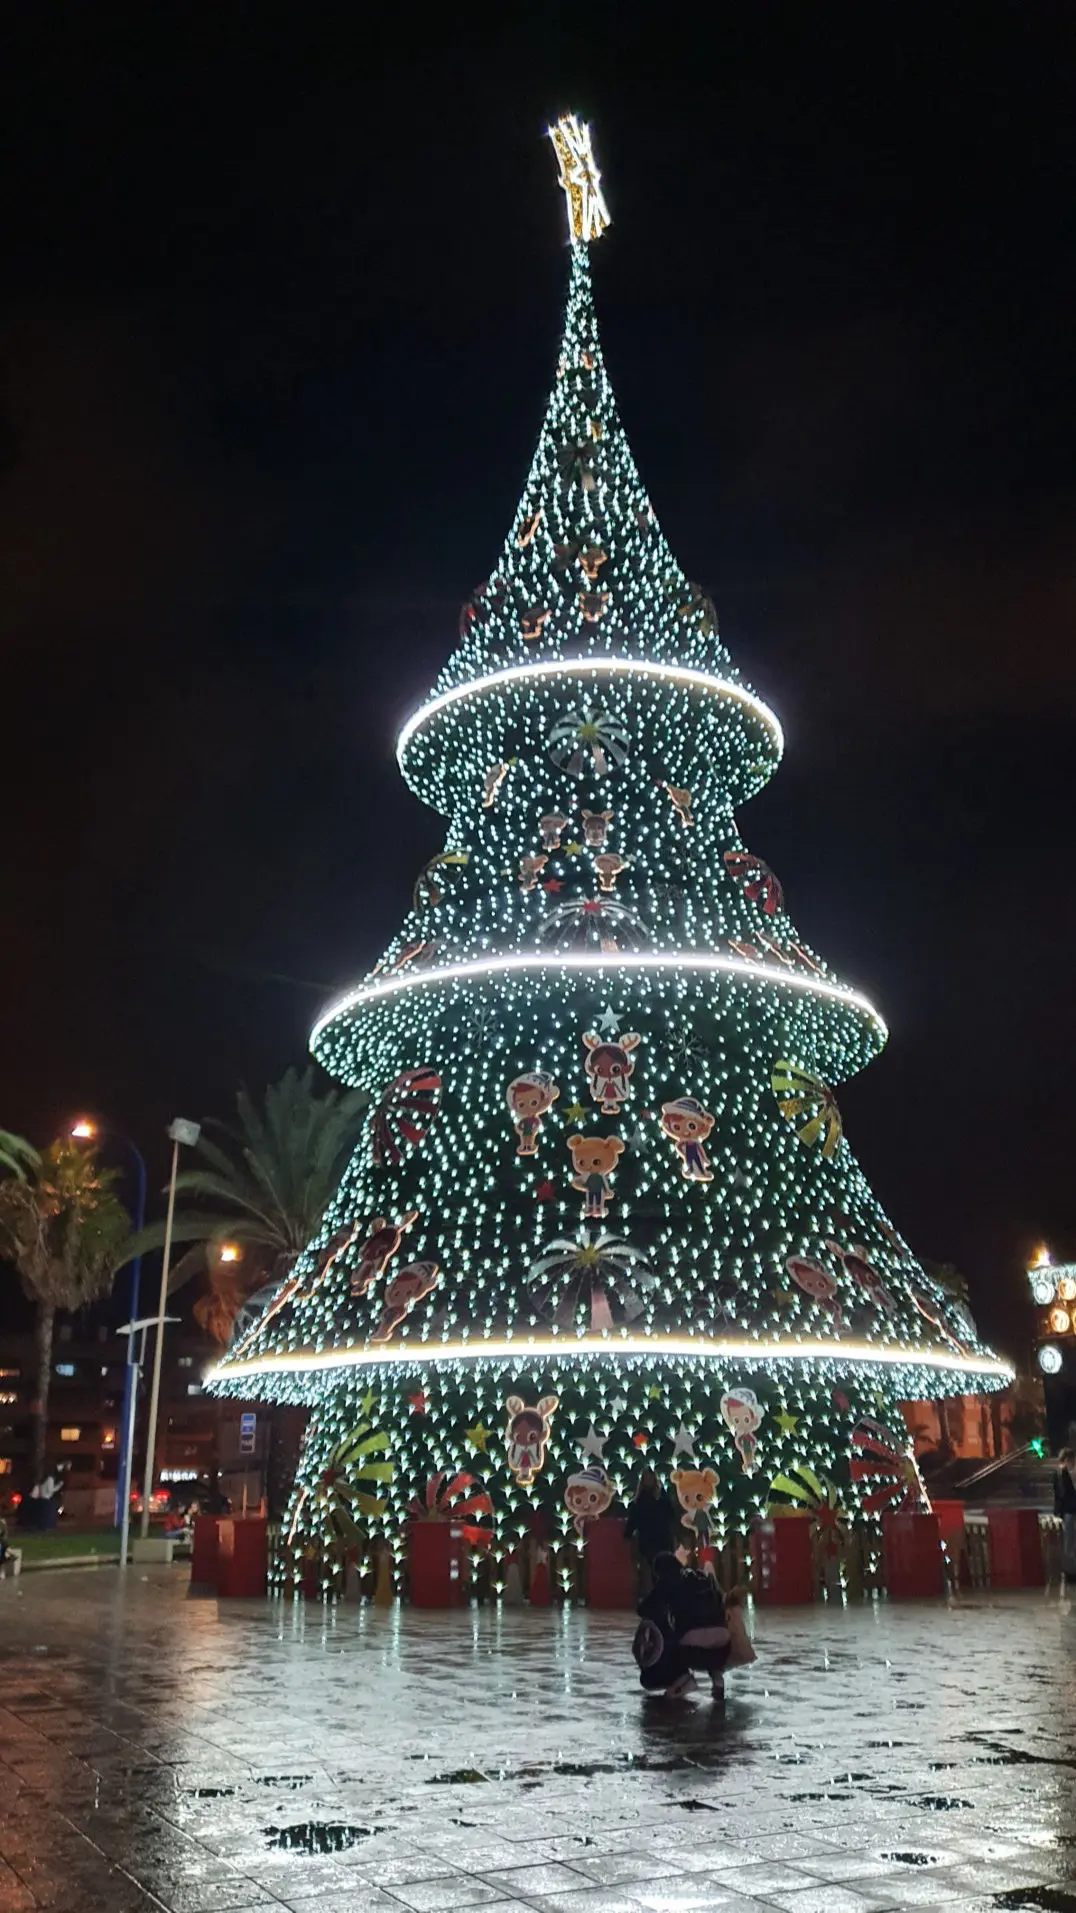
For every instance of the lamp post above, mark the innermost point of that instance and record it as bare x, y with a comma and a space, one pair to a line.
179, 1132
85, 1130
131, 1329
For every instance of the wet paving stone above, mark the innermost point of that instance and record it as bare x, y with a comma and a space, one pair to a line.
164, 1756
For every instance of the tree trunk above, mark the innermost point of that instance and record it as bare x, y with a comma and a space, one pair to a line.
46, 1318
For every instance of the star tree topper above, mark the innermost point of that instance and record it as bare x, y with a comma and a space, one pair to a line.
588, 214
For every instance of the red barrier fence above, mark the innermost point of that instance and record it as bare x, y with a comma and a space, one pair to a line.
912, 1556
782, 1559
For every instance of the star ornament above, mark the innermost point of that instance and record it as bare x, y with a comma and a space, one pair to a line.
575, 1112
579, 178
478, 1437
593, 1444
787, 1423
683, 1444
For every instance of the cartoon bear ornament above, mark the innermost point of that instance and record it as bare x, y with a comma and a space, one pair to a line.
594, 1159
695, 1490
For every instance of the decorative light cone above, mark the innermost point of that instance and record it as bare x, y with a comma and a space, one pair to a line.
605, 1196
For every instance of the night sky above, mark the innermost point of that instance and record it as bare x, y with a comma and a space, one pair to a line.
282, 298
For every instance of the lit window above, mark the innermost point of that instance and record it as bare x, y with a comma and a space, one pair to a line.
7, 1395
5, 1464
65, 1368
185, 1361
9, 1374
70, 1434
194, 1388
108, 1438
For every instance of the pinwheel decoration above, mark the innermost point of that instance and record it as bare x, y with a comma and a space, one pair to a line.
588, 737
800, 1487
404, 1113
759, 883
447, 1498
866, 1277
885, 1470
595, 924
485, 598
934, 1311
429, 888
348, 1484
601, 1277
960, 1314
574, 459
799, 1094
699, 609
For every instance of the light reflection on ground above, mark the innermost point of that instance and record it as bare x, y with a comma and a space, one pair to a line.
159, 1752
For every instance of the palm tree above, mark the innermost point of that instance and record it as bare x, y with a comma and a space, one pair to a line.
265, 1187
65, 1231
16, 1154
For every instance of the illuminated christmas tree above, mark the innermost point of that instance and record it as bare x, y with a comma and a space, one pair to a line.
604, 1208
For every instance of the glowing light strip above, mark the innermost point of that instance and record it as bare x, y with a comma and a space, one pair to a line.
706, 961
561, 1348
608, 667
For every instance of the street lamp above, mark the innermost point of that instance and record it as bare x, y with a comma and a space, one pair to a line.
187, 1133
134, 1361
84, 1129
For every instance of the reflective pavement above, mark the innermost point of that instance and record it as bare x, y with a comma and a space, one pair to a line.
157, 1751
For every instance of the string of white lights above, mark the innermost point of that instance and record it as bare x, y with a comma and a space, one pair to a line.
705, 961
519, 1351
592, 667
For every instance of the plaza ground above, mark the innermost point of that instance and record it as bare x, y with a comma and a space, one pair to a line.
157, 1751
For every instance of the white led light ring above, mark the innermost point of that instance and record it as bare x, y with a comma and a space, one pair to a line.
593, 667
654, 1348
706, 962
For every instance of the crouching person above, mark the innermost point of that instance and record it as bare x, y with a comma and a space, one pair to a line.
686, 1626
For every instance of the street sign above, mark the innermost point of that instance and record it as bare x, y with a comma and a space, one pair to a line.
248, 1428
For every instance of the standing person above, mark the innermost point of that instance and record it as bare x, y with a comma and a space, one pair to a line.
651, 1519
1065, 1508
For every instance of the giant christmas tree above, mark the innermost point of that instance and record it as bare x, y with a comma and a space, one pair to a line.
604, 1207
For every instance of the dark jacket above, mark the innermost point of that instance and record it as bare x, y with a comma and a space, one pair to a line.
685, 1600
651, 1518
1064, 1493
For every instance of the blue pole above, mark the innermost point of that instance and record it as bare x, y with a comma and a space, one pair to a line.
130, 1373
